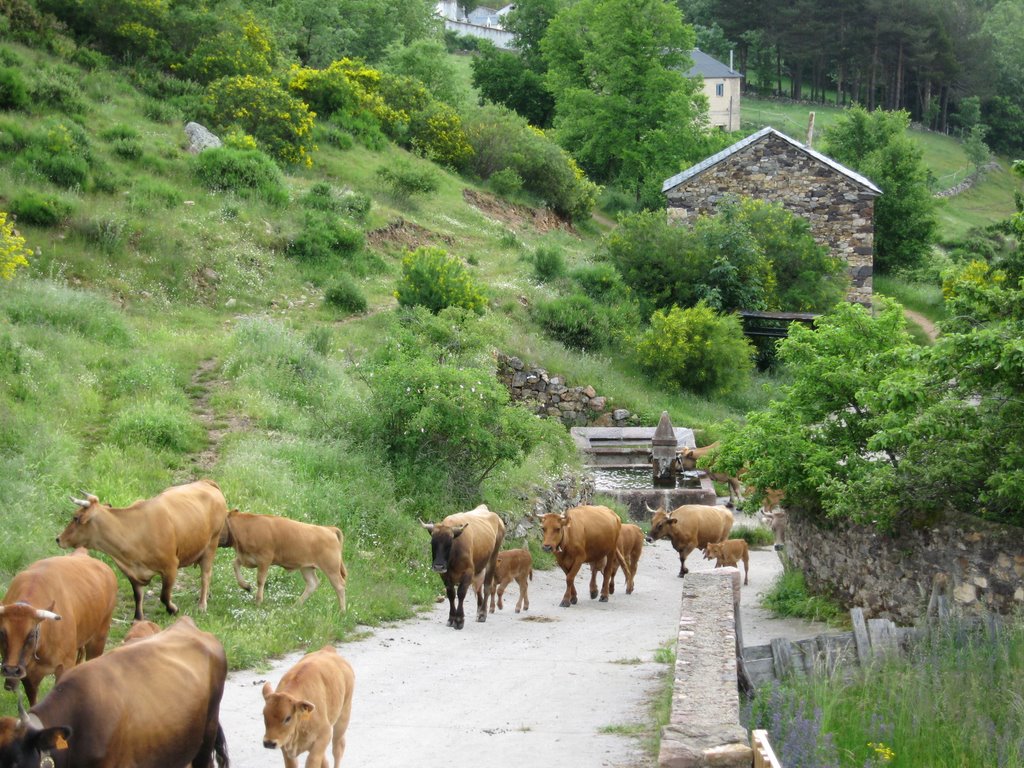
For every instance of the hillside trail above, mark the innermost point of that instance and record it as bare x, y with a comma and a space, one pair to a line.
566, 686
926, 325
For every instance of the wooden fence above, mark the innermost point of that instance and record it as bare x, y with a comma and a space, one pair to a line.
764, 755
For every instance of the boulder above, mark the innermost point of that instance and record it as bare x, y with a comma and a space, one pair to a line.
199, 138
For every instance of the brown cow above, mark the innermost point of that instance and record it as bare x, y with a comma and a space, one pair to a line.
586, 534
310, 709
631, 545
140, 630
56, 613
179, 527
464, 547
513, 565
730, 552
690, 527
154, 703
261, 541
688, 458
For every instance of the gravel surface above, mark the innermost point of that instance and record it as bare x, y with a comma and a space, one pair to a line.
562, 685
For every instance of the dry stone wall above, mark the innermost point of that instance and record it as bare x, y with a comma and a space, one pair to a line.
976, 565
840, 211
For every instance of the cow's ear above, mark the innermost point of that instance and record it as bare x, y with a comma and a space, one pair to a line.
456, 532
671, 521
306, 709
50, 738
267, 690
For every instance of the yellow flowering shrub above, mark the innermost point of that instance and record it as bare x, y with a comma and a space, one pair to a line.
13, 253
244, 49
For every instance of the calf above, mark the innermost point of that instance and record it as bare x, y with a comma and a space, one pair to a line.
517, 565
261, 541
140, 630
631, 545
310, 709
730, 552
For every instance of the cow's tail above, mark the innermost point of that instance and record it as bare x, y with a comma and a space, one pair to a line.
220, 748
341, 547
622, 560
531, 573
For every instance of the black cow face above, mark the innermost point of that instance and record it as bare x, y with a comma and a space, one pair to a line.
441, 541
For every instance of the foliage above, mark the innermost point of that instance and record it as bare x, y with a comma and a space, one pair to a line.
696, 349
345, 295
325, 236
575, 320
976, 148
876, 144
281, 123
13, 253
754, 535
622, 102
506, 182
434, 280
548, 263
13, 93
504, 78
788, 596
39, 209
241, 171
404, 179
242, 47
427, 61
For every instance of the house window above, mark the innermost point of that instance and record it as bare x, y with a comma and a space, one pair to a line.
720, 89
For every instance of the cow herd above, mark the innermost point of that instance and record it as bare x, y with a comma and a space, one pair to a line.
56, 616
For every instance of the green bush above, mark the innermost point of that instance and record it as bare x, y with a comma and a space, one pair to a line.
405, 180
600, 281
345, 295
696, 349
576, 321
321, 197
324, 235
243, 171
356, 205
64, 170
13, 93
160, 111
59, 89
127, 149
506, 182
754, 535
548, 263
157, 425
119, 131
433, 279
788, 596
39, 209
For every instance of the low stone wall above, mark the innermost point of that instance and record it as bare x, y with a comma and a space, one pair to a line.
570, 490
976, 565
573, 406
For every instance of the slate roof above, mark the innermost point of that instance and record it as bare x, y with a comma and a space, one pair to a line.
705, 66
753, 138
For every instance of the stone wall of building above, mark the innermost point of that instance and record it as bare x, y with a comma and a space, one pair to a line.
840, 211
549, 396
976, 565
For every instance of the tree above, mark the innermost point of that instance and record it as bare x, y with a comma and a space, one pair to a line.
623, 105
528, 23
876, 144
504, 78
427, 60
976, 148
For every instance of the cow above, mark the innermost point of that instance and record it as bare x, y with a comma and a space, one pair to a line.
464, 547
310, 709
179, 527
140, 630
261, 541
153, 703
56, 614
690, 527
631, 545
776, 519
730, 552
513, 565
584, 534
688, 457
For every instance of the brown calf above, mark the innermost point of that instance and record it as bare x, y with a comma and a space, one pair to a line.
310, 709
513, 565
140, 630
631, 545
730, 552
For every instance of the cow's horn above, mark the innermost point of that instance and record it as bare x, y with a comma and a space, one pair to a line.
41, 614
80, 502
428, 526
652, 511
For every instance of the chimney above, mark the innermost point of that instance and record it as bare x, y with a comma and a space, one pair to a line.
730, 60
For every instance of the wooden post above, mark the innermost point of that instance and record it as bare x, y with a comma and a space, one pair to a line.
810, 129
860, 636
764, 755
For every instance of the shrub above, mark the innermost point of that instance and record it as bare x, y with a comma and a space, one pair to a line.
505, 182
324, 235
331, 134
696, 349
600, 281
62, 169
576, 321
13, 93
345, 295
127, 149
548, 263
119, 131
433, 279
59, 89
39, 209
404, 180
436, 132
356, 205
160, 111
13, 253
157, 425
321, 197
241, 171
754, 535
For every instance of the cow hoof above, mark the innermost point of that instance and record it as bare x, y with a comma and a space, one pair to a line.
451, 622
629, 591
575, 600
564, 604
482, 617
604, 599
517, 610
172, 609
460, 623
593, 595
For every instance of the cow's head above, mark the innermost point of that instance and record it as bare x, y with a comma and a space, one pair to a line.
687, 461
78, 533
713, 551
19, 638
25, 743
282, 714
442, 538
661, 523
554, 527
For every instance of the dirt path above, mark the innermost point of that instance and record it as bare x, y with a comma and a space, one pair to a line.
926, 325
562, 686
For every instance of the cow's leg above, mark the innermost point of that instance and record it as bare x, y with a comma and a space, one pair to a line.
340, 726
238, 575
206, 571
94, 647
500, 589
137, 594
312, 582
682, 561
31, 686
593, 578
449, 590
523, 601
460, 610
262, 569
168, 578
481, 599
569, 598
318, 751
338, 582
608, 584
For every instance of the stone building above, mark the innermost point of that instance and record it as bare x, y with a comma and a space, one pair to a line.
768, 165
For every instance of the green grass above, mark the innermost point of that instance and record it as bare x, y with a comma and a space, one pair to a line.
925, 298
788, 596
755, 535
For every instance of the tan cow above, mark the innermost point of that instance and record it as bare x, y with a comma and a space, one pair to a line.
585, 534
690, 527
310, 709
154, 703
513, 565
464, 550
688, 458
140, 630
261, 541
176, 528
631, 545
56, 614
730, 552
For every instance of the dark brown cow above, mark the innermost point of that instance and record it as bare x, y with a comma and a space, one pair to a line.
179, 527
261, 541
56, 613
631, 545
310, 709
154, 703
513, 565
586, 534
464, 547
690, 527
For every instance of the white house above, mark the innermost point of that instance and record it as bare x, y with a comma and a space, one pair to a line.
721, 86
480, 22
